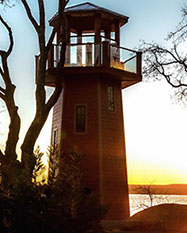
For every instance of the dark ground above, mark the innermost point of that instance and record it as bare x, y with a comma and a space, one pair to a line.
170, 218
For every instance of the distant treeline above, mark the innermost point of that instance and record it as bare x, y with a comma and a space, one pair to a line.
173, 189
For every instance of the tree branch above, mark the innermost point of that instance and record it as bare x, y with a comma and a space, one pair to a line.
43, 108
51, 38
10, 36
61, 6
167, 77
2, 93
54, 97
7, 95
29, 14
1, 71
2, 89
2, 96
40, 89
41, 14
4, 55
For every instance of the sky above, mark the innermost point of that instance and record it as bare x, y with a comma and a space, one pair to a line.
155, 127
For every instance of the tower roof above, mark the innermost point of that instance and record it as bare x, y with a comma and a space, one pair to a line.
90, 9
87, 6
83, 6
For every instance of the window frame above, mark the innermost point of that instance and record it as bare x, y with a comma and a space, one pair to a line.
75, 119
111, 98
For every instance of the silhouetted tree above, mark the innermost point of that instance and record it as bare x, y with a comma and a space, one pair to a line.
8, 158
60, 206
150, 195
148, 190
169, 63
39, 168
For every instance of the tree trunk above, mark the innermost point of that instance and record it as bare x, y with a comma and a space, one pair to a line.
27, 158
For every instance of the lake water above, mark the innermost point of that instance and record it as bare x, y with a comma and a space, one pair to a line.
139, 202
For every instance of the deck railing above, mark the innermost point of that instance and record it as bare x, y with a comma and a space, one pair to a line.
102, 54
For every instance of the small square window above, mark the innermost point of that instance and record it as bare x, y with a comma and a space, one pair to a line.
110, 93
80, 119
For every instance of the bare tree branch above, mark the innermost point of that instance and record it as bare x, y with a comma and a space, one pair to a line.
54, 97
10, 36
51, 38
2, 89
61, 6
180, 33
58, 84
2, 96
171, 64
1, 71
43, 108
29, 14
42, 15
7, 95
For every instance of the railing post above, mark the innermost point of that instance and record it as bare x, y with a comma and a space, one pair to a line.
106, 54
88, 54
79, 48
68, 55
139, 63
51, 57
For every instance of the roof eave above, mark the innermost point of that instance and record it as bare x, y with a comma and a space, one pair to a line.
121, 18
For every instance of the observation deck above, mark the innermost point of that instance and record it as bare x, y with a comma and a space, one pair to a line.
103, 58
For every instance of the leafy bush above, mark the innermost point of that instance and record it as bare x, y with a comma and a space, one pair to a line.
60, 206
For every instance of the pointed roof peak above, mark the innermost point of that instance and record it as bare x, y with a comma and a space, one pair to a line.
91, 9
87, 6
83, 6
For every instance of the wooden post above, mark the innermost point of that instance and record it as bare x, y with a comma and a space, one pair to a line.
59, 34
107, 34
51, 57
139, 63
89, 54
68, 47
79, 48
97, 28
106, 55
117, 33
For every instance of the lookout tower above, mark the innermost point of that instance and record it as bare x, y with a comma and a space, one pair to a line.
88, 116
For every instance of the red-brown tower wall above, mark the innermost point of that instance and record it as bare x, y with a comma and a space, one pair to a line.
103, 143
57, 120
115, 187
82, 91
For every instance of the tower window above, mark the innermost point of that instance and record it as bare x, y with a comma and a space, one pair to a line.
80, 119
110, 93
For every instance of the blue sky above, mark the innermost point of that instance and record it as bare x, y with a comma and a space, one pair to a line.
154, 127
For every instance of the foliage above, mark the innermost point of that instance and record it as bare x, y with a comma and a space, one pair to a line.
61, 205
169, 63
39, 168
53, 155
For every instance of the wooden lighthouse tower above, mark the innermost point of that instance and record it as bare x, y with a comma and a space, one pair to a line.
88, 116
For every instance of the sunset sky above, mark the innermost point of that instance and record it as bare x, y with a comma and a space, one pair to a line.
155, 128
